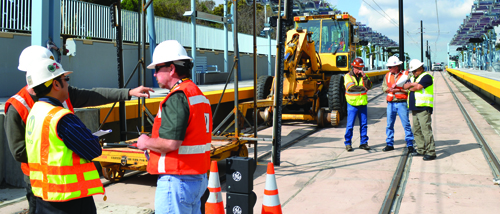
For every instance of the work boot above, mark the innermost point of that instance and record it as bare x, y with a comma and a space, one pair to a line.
388, 148
428, 157
411, 149
364, 146
415, 153
349, 148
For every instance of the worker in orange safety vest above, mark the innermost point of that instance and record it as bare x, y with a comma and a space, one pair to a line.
180, 141
396, 103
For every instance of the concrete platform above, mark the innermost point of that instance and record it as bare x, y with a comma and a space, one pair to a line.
486, 74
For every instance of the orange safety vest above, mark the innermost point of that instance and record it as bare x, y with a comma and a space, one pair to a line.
391, 81
193, 156
23, 103
57, 174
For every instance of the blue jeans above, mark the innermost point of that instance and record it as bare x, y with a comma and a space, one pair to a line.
401, 109
352, 113
180, 193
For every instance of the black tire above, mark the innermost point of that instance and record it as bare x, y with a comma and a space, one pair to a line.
336, 95
264, 84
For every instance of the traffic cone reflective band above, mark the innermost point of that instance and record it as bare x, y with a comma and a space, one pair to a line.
214, 203
271, 203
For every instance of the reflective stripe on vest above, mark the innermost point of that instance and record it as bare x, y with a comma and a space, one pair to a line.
354, 98
424, 97
23, 103
391, 81
57, 174
193, 156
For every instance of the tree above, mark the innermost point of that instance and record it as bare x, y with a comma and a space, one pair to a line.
101, 2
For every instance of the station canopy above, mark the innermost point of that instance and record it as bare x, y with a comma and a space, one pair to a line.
366, 33
484, 15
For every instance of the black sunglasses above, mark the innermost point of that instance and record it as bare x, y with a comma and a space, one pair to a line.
391, 67
65, 78
158, 67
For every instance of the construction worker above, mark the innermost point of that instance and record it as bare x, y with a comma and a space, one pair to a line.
181, 137
356, 85
18, 107
420, 102
59, 147
397, 99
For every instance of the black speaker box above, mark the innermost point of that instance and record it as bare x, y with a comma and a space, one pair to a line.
239, 174
237, 203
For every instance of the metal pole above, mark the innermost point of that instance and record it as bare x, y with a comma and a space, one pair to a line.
139, 73
193, 38
152, 37
428, 54
448, 49
236, 64
226, 38
143, 63
278, 82
255, 68
119, 52
401, 34
269, 60
421, 41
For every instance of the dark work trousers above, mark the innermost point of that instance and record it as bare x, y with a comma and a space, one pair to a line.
29, 195
78, 206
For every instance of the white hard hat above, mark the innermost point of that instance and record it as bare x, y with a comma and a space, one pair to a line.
393, 61
168, 51
43, 71
31, 54
415, 64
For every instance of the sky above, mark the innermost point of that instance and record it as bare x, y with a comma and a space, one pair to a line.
441, 19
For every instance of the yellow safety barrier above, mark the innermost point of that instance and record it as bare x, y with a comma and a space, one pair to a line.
489, 85
131, 106
376, 73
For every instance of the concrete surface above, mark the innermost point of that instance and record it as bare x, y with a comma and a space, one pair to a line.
317, 175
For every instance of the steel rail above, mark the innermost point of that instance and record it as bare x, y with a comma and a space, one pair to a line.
492, 160
393, 195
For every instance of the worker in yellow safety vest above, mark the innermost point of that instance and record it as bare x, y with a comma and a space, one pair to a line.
357, 85
59, 146
420, 103
19, 105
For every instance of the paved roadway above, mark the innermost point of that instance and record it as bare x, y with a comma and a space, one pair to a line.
317, 175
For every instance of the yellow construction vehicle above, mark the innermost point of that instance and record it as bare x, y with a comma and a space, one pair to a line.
318, 52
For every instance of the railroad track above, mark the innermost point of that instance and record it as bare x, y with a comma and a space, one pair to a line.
394, 195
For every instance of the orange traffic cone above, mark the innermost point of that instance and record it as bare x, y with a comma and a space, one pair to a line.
214, 203
271, 203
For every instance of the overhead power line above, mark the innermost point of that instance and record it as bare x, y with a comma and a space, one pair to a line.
395, 24
392, 20
389, 19
437, 17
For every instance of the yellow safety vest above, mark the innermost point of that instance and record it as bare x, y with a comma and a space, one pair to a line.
424, 97
354, 98
57, 174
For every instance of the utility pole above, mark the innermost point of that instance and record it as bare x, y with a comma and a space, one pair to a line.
401, 34
428, 55
421, 41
